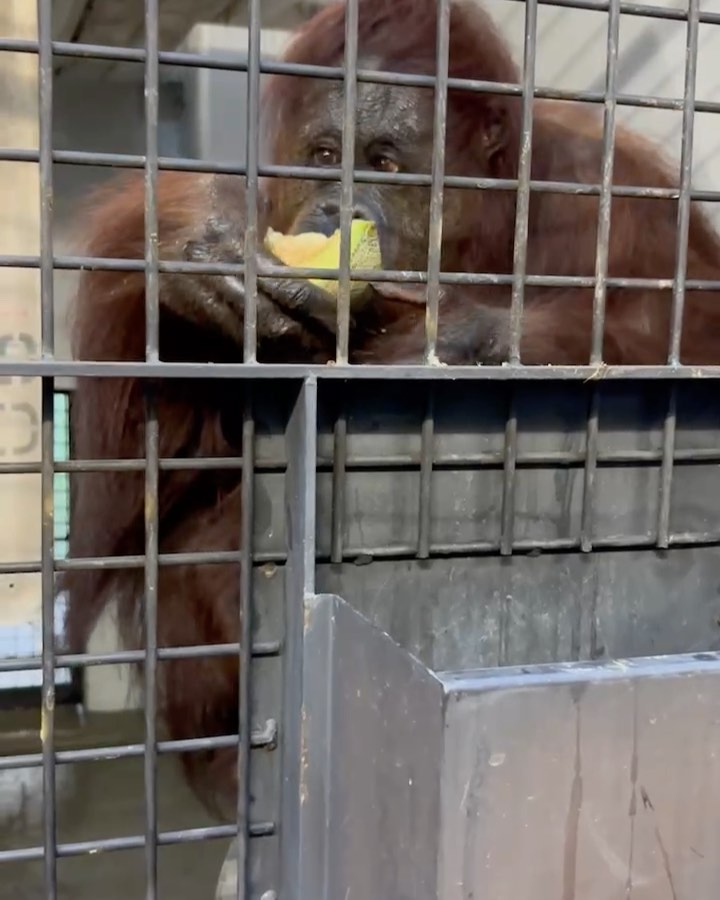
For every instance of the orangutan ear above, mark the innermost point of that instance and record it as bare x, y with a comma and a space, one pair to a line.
495, 133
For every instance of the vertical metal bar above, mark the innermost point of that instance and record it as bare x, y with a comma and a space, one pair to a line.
47, 714
435, 233
152, 340
342, 340
427, 440
248, 451
601, 270
666, 470
591, 454
519, 271
605, 204
152, 95
342, 345
300, 492
523, 194
339, 483
251, 183
507, 532
150, 626
678, 300
246, 631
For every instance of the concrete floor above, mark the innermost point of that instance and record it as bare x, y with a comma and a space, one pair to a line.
99, 800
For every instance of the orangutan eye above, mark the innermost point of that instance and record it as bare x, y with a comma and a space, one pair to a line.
382, 163
326, 157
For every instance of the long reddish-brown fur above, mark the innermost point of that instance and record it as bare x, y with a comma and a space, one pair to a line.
200, 510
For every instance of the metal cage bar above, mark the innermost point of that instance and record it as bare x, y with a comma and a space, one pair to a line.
601, 269
152, 442
245, 609
519, 275
251, 187
680, 280
339, 473
437, 174
245, 669
294, 272
523, 192
350, 100
180, 164
47, 715
434, 263
427, 440
342, 337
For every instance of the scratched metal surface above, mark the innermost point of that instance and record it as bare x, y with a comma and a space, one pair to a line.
583, 784
371, 752
467, 609
587, 781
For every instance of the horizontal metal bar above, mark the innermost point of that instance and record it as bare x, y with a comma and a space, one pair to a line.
260, 739
112, 563
74, 466
545, 674
484, 460
630, 9
66, 49
90, 263
260, 650
58, 368
137, 842
189, 464
366, 555
481, 548
180, 164
555, 545
137, 561
536, 459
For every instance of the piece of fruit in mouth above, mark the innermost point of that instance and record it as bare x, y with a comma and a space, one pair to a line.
312, 250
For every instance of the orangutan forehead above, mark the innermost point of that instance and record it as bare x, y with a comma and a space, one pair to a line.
390, 110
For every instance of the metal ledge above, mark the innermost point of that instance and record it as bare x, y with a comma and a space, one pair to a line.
535, 782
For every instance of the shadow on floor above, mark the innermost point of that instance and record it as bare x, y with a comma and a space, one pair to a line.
97, 800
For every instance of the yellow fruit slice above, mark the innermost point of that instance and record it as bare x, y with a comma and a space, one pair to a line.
316, 251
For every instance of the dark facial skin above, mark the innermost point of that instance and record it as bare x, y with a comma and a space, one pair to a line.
302, 126
393, 133
393, 129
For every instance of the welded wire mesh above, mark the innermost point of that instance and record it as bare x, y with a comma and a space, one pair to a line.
337, 458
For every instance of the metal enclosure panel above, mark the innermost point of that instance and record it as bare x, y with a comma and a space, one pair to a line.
467, 605
342, 732
583, 782
370, 762
299, 585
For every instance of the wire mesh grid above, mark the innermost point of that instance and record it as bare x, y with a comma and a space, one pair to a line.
327, 435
